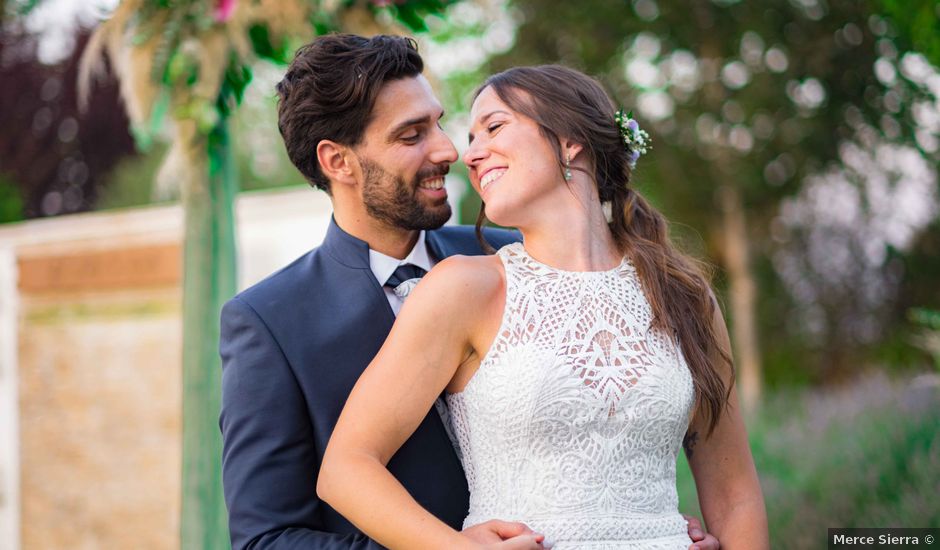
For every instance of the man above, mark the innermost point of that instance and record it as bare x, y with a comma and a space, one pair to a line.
362, 124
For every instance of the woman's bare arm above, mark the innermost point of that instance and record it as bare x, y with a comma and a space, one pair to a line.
721, 463
430, 340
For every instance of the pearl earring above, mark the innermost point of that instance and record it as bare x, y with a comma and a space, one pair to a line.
568, 167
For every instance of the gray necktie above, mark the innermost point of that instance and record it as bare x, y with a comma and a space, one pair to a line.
401, 282
404, 279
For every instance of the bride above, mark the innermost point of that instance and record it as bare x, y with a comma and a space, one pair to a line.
574, 365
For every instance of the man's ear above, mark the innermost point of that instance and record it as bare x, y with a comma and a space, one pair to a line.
336, 162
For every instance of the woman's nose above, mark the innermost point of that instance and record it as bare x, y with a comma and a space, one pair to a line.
474, 154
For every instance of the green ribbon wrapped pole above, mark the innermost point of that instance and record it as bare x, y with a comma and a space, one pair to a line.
209, 279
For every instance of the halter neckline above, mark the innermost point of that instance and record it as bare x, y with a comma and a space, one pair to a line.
521, 250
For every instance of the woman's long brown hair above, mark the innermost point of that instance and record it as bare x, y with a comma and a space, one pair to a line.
568, 104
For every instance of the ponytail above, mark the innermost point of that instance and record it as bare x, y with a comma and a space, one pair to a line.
679, 295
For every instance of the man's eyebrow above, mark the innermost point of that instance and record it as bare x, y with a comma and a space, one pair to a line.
426, 119
483, 120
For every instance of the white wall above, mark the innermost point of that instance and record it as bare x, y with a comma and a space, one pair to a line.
9, 413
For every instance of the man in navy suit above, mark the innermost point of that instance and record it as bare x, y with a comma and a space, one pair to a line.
362, 124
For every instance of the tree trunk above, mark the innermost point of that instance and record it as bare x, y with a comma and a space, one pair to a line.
734, 236
209, 279
743, 292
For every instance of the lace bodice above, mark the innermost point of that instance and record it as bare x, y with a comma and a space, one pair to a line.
573, 422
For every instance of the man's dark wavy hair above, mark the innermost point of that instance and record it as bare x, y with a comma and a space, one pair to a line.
329, 92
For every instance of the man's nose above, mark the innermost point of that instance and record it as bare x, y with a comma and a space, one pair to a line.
443, 148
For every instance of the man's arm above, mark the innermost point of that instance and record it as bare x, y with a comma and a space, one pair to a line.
269, 463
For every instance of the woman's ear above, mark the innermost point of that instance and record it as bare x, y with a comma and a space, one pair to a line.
336, 162
571, 149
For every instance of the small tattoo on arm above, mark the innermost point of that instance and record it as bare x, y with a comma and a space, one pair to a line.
688, 442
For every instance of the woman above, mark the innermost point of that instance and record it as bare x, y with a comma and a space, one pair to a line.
574, 365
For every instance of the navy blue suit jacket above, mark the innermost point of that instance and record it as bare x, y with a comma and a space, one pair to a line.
292, 347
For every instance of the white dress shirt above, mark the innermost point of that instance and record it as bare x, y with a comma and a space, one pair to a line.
383, 266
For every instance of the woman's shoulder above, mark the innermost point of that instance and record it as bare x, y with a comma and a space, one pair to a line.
479, 269
465, 277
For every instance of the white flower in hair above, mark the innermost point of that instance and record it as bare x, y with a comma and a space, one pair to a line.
635, 139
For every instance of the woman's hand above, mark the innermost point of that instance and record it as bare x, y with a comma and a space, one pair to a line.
529, 541
505, 535
495, 531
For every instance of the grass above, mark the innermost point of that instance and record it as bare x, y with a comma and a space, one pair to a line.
864, 455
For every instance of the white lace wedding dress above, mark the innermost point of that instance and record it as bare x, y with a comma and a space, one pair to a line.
573, 422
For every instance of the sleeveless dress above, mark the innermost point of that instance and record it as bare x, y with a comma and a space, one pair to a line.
574, 420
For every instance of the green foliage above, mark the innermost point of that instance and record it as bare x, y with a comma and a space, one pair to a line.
178, 25
929, 336
237, 77
266, 47
714, 35
917, 23
323, 22
23, 7
732, 74
130, 182
413, 13
175, 22
926, 317
860, 456
11, 203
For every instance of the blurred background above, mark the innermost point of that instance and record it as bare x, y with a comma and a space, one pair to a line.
143, 180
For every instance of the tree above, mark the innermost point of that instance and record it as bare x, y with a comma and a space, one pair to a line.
917, 23
51, 155
747, 100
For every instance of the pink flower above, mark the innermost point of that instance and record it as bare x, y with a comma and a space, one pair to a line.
223, 10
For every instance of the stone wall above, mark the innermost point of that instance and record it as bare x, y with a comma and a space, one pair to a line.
90, 345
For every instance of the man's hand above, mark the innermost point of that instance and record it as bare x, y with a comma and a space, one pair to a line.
495, 531
701, 539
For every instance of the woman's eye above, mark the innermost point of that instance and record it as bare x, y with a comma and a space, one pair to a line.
410, 138
493, 127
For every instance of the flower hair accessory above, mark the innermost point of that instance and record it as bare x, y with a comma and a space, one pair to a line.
636, 140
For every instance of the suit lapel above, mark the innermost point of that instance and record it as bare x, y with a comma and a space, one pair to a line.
353, 253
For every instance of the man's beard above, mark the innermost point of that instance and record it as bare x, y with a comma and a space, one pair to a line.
389, 199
